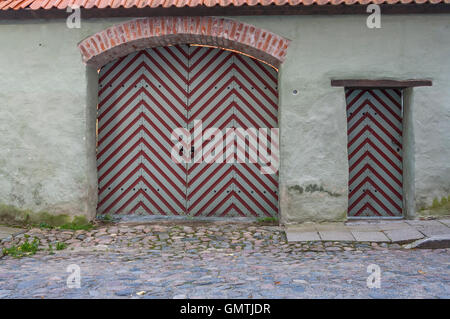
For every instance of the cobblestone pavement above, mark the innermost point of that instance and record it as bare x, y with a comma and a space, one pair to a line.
216, 261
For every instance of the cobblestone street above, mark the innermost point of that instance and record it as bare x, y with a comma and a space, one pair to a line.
216, 261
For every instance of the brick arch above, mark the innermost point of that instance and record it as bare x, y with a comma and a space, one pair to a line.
127, 37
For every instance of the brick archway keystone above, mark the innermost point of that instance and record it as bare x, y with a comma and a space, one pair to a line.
127, 37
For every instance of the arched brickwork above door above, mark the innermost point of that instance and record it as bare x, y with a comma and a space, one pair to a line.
127, 37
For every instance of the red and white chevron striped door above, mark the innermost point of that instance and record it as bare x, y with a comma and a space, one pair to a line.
230, 90
256, 106
374, 121
144, 96
142, 99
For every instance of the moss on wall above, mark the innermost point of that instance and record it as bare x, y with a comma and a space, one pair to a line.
342, 216
11, 215
311, 203
311, 188
438, 207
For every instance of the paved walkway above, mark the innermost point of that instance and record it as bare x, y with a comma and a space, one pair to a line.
393, 231
217, 261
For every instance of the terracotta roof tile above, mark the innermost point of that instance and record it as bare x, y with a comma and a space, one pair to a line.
63, 4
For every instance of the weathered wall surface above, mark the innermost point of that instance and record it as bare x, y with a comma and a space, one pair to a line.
47, 109
44, 163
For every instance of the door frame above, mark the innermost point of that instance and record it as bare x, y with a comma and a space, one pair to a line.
408, 142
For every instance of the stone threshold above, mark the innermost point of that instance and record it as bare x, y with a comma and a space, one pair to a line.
383, 231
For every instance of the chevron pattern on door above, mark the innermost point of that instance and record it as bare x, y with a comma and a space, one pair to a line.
229, 90
374, 122
144, 96
256, 105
